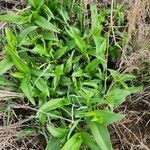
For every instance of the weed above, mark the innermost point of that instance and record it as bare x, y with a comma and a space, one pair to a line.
60, 63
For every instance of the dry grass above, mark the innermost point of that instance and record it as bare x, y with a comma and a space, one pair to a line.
5, 94
138, 43
133, 132
9, 140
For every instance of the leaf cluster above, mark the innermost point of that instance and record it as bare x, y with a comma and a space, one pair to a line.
61, 67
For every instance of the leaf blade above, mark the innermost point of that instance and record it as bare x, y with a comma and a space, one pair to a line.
101, 136
27, 89
13, 18
42, 22
73, 143
5, 65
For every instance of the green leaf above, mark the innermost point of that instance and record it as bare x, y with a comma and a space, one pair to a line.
100, 48
73, 128
18, 75
135, 89
102, 116
5, 65
107, 117
48, 12
87, 94
92, 65
55, 82
40, 50
121, 77
116, 96
60, 52
53, 144
45, 24
18, 62
87, 140
48, 36
57, 132
42, 86
114, 73
101, 135
59, 70
65, 81
68, 65
27, 89
13, 18
10, 37
78, 73
73, 143
91, 83
126, 77
64, 14
21, 37
94, 18
36, 3
82, 45
42, 73
51, 105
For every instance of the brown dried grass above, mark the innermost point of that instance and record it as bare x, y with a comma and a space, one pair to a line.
5, 94
138, 31
133, 132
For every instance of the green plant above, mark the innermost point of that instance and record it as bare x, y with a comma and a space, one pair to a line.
61, 67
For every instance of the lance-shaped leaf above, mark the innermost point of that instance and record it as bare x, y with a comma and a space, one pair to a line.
24, 33
87, 140
51, 105
45, 24
13, 18
101, 135
36, 3
27, 89
5, 65
57, 132
18, 62
73, 143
